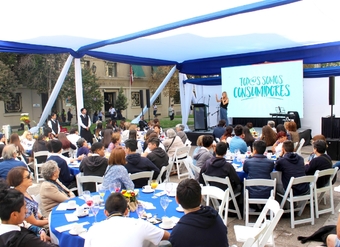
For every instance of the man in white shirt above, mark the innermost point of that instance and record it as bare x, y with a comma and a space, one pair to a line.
54, 124
85, 124
74, 136
118, 230
112, 112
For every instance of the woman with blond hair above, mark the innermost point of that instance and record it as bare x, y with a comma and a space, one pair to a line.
223, 106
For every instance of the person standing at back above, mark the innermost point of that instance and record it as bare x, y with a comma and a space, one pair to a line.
54, 124
200, 225
85, 124
224, 106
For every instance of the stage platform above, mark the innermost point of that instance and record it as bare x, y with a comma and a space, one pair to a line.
193, 135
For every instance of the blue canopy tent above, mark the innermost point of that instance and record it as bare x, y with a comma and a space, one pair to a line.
209, 35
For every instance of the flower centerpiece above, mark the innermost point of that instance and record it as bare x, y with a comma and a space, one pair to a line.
131, 198
25, 121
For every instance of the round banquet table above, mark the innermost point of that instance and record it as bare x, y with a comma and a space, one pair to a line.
65, 239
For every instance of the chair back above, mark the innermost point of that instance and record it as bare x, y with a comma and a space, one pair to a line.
159, 178
87, 179
188, 164
217, 193
187, 143
39, 158
178, 157
302, 141
146, 174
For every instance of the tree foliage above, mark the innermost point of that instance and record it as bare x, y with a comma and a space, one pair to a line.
93, 100
121, 102
8, 82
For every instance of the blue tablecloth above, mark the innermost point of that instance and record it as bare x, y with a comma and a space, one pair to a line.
74, 170
66, 240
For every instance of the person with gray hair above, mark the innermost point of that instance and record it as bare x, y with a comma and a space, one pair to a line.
172, 142
52, 191
9, 154
180, 132
271, 124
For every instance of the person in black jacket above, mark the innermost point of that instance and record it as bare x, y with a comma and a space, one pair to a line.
200, 225
219, 167
12, 213
258, 167
157, 155
94, 165
135, 163
321, 162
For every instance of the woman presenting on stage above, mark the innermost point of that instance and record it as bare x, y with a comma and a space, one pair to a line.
224, 107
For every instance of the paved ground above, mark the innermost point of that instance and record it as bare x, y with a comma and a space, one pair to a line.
283, 234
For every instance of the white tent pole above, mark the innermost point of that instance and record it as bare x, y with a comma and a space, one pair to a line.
54, 94
155, 95
79, 89
185, 92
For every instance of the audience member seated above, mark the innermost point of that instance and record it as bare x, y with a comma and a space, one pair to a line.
180, 132
115, 142
248, 137
122, 125
98, 131
228, 134
116, 171
200, 225
15, 139
27, 142
133, 136
83, 147
249, 125
66, 144
219, 129
237, 142
120, 227
271, 124
21, 179
333, 240
146, 142
321, 162
52, 191
3, 142
125, 133
268, 135
157, 155
143, 125
157, 130
204, 153
199, 144
73, 136
281, 137
291, 165
135, 163
292, 131
65, 175
258, 167
12, 214
9, 154
315, 138
172, 142
107, 136
281, 127
219, 167
94, 165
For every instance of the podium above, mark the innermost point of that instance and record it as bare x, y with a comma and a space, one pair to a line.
200, 116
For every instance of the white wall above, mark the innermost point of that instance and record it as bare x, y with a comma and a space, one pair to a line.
315, 101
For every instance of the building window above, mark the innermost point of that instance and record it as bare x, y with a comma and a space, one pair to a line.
111, 69
135, 99
85, 64
14, 104
158, 100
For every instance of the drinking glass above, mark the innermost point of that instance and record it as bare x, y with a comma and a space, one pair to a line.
140, 210
117, 186
102, 194
164, 203
154, 185
168, 187
95, 210
86, 194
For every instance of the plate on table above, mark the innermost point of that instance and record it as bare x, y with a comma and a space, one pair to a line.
148, 191
172, 194
83, 214
166, 227
71, 208
179, 209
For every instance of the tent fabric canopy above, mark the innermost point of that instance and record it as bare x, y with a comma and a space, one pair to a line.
200, 41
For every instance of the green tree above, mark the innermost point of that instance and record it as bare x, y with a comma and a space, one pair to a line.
93, 100
8, 82
121, 103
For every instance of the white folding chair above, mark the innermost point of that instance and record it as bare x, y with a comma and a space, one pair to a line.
302, 141
331, 172
146, 174
217, 193
42, 156
187, 143
87, 179
247, 200
159, 178
188, 164
54, 239
232, 195
178, 157
301, 199
261, 233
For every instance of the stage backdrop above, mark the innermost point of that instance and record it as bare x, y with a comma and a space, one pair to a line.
256, 90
